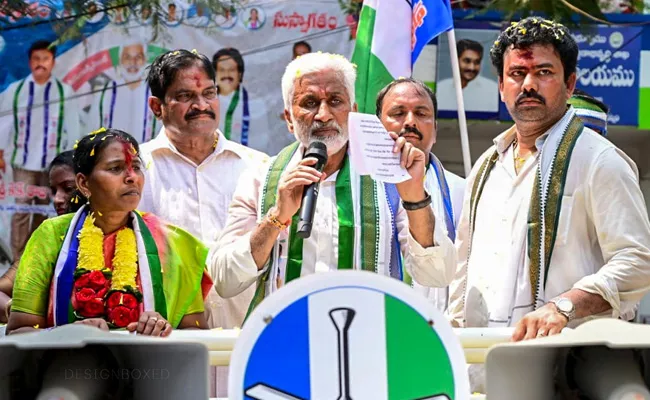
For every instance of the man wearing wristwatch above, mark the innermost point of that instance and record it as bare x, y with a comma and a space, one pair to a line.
409, 107
554, 229
257, 244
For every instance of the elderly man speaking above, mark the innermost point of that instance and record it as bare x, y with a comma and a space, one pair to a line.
259, 242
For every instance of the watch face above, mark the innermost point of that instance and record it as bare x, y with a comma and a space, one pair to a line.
564, 305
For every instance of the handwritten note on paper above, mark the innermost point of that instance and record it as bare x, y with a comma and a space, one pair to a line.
371, 150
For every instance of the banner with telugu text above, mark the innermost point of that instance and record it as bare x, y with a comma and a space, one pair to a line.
92, 69
609, 68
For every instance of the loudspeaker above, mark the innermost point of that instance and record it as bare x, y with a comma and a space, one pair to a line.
76, 362
603, 359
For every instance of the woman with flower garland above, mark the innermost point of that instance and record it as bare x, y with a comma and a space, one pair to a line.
107, 265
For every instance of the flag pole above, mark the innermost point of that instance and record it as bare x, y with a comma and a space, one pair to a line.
462, 120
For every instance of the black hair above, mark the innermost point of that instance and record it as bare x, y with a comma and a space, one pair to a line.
466, 44
164, 68
301, 43
89, 148
536, 31
232, 53
171, 5
419, 86
42, 45
86, 154
62, 159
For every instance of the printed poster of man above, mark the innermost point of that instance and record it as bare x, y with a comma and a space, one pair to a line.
109, 54
172, 15
122, 102
227, 19
198, 15
236, 108
94, 15
479, 82
39, 120
119, 15
145, 14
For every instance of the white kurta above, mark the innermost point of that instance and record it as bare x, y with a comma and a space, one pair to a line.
232, 263
36, 138
196, 198
131, 112
479, 95
439, 296
602, 244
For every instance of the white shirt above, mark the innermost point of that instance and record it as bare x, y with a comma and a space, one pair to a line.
479, 95
232, 263
130, 109
30, 154
603, 236
439, 296
196, 198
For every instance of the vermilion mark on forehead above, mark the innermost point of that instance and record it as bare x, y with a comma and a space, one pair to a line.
526, 54
197, 79
128, 150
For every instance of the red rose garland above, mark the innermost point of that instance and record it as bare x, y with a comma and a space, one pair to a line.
100, 292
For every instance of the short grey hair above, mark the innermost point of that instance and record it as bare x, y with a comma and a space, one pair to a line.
317, 62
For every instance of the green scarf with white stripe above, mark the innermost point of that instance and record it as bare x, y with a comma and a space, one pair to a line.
368, 216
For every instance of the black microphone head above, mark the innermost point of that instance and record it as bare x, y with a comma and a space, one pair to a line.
317, 150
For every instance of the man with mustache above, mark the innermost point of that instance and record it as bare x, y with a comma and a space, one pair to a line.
191, 168
123, 102
554, 229
352, 226
40, 121
479, 93
235, 107
408, 107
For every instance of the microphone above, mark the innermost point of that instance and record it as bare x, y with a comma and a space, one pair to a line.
316, 150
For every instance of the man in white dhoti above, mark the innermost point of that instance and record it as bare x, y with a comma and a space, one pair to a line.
123, 103
352, 224
554, 229
408, 107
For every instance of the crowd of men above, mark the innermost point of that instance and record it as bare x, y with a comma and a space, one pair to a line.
550, 228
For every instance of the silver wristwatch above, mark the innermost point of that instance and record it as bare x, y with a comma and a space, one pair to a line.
565, 307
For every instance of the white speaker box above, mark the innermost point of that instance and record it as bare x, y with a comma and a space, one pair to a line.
76, 362
603, 359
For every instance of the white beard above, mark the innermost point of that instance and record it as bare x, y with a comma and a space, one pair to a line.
130, 77
334, 143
